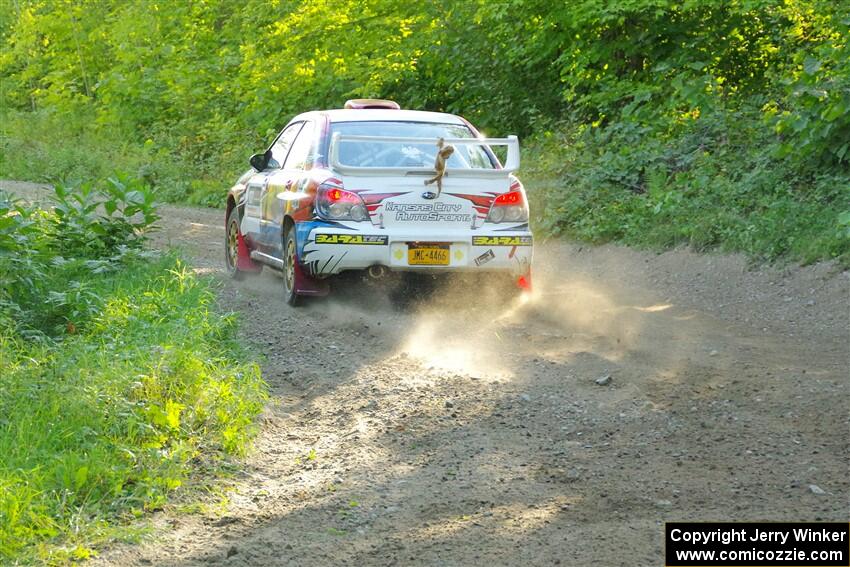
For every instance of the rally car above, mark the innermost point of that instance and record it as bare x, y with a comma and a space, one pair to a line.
375, 188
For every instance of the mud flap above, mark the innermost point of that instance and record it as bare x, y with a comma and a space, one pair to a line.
244, 262
306, 285
523, 282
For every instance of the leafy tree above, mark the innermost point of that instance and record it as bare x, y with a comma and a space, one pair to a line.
171, 87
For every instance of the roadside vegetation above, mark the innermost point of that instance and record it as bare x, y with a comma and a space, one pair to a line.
120, 381
712, 124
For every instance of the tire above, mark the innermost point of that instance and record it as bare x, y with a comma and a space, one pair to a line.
290, 247
231, 246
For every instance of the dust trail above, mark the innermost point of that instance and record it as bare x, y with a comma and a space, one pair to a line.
479, 326
483, 327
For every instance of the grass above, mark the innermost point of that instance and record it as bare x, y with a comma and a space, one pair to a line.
46, 146
121, 386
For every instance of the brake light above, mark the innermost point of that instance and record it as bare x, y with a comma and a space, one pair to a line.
510, 206
510, 198
335, 203
338, 196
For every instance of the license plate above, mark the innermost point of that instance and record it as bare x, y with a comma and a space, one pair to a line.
428, 254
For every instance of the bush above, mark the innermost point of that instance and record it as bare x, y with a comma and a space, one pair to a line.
120, 382
88, 231
717, 181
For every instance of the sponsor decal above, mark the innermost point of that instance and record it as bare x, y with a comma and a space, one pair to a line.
501, 241
359, 239
484, 258
481, 203
428, 212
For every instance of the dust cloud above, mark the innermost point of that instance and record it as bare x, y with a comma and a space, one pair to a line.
482, 327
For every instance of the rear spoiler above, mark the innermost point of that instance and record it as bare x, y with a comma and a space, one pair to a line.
511, 163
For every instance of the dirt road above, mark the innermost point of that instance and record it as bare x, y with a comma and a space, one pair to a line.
632, 389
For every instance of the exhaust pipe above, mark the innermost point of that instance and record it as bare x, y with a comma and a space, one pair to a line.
377, 271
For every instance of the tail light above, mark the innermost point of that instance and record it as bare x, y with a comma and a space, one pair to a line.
335, 203
510, 206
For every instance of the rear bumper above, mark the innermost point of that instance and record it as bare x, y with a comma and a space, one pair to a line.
328, 251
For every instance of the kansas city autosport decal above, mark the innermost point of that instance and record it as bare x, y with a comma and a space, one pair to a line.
501, 241
428, 212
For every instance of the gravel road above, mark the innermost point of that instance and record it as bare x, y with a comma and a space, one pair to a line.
633, 388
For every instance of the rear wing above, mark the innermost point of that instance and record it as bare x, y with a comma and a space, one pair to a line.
511, 163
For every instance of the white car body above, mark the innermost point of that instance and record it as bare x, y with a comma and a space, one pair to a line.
405, 226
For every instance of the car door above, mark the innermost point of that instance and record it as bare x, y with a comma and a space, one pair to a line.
283, 183
256, 192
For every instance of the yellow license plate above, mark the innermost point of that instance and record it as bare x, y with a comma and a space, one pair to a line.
427, 255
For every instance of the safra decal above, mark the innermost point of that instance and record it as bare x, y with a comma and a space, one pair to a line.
363, 239
501, 241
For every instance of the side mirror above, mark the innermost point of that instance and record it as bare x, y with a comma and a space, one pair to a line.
258, 161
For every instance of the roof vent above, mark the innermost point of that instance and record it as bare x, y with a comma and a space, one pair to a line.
359, 103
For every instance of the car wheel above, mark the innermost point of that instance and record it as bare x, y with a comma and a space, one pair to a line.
290, 247
231, 246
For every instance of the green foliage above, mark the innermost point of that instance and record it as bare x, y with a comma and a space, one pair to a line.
712, 183
120, 382
43, 254
816, 122
89, 223
181, 96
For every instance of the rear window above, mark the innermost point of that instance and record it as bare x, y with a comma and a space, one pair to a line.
402, 154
